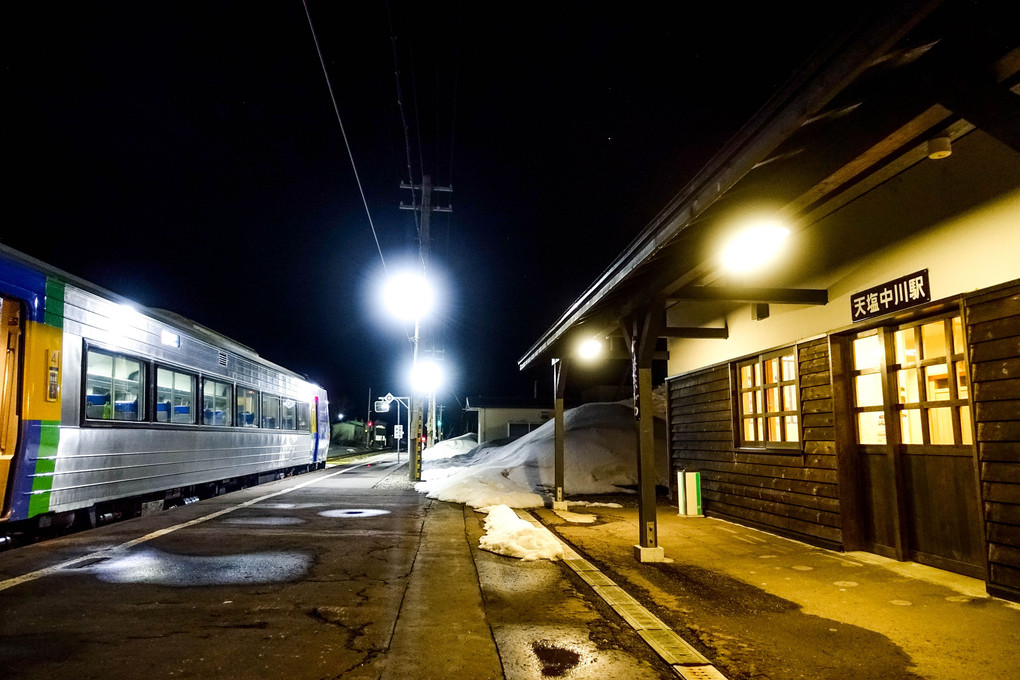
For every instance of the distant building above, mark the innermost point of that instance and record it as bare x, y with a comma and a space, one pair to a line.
507, 418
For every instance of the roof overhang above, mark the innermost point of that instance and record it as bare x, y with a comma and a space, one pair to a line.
861, 111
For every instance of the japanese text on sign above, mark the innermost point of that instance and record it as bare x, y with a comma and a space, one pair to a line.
891, 296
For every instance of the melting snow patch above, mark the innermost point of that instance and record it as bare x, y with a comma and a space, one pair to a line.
601, 457
448, 448
574, 517
589, 504
508, 534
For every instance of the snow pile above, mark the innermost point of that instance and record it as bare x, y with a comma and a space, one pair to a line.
448, 448
600, 456
508, 534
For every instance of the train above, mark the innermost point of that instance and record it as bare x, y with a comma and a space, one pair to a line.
111, 410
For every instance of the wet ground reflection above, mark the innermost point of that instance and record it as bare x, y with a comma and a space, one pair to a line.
354, 512
264, 521
555, 660
159, 568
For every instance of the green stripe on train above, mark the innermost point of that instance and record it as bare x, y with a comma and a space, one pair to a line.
54, 309
45, 465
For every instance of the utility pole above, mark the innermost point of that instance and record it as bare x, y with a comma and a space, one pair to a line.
425, 210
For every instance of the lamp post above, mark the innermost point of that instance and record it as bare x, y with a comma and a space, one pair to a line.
426, 377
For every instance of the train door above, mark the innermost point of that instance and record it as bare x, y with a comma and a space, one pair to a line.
914, 444
10, 341
320, 431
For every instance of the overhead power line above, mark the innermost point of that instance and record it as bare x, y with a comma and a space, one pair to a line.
350, 155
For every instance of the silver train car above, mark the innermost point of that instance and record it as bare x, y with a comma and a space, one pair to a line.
111, 410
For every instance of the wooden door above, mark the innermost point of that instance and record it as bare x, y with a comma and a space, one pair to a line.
914, 445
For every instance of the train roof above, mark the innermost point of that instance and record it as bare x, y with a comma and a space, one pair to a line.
180, 322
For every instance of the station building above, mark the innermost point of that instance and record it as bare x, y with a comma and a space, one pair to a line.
861, 390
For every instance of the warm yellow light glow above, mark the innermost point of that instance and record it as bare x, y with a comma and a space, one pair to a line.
754, 247
589, 349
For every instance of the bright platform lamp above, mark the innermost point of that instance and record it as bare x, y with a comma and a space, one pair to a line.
754, 247
589, 349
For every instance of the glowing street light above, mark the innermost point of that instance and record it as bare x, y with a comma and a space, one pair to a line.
408, 296
426, 377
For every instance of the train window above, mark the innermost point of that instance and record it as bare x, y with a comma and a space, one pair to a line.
287, 416
247, 408
216, 402
270, 411
114, 387
304, 422
175, 396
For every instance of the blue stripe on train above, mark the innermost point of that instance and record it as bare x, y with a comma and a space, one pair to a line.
21, 282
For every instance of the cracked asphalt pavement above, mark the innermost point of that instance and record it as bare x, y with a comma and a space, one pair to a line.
341, 573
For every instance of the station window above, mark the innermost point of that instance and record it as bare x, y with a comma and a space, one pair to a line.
216, 402
175, 396
270, 411
247, 407
114, 387
768, 400
304, 421
288, 415
925, 367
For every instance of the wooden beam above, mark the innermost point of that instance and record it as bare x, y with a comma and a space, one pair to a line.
661, 355
921, 123
706, 333
779, 296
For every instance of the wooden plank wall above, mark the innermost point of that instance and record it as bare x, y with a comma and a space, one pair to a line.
791, 492
993, 332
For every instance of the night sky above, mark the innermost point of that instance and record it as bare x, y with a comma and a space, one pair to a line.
187, 156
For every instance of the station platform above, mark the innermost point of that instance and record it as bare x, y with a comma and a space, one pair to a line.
759, 605
348, 572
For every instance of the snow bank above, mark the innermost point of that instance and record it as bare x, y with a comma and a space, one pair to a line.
600, 456
448, 448
508, 534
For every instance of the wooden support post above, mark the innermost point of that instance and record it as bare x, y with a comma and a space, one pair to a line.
646, 332
559, 387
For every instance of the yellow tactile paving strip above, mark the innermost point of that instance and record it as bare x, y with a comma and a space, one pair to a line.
686, 661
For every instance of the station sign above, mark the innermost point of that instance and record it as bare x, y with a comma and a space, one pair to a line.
892, 296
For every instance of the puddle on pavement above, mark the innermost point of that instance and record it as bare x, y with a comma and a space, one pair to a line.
264, 521
289, 506
354, 513
167, 569
555, 660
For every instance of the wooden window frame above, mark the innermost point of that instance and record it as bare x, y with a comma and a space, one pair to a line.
760, 390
